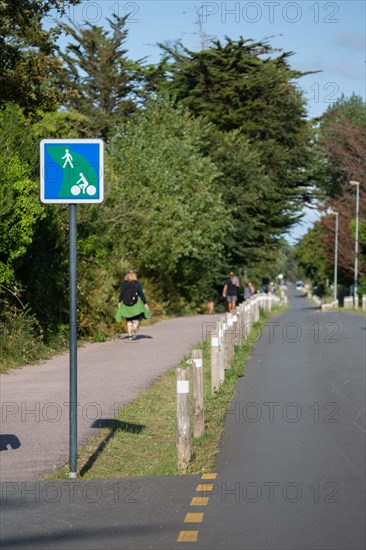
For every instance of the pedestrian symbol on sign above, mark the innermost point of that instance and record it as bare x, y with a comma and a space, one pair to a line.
68, 158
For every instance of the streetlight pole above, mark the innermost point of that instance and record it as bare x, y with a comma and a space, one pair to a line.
335, 257
355, 287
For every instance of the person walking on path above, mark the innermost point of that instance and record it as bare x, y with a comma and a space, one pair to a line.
230, 291
132, 304
235, 279
247, 291
251, 288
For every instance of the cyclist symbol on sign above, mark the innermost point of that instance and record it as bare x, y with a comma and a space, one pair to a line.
83, 187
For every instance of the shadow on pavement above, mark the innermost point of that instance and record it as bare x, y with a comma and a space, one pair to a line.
81, 535
9, 440
126, 339
114, 426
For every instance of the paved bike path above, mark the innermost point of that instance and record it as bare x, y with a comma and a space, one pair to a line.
291, 469
34, 400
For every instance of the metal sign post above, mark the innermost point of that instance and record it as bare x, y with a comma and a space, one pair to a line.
73, 341
72, 173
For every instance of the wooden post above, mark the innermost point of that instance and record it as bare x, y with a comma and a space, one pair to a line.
224, 343
240, 323
245, 321
235, 329
249, 321
197, 387
183, 423
249, 317
221, 358
230, 336
215, 372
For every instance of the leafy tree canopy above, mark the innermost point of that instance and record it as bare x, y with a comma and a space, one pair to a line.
20, 208
342, 143
310, 255
174, 221
26, 54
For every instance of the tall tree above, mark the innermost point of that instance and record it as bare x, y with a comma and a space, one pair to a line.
310, 254
243, 184
342, 142
165, 205
102, 81
241, 85
27, 54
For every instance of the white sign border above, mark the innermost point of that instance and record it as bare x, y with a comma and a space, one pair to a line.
98, 141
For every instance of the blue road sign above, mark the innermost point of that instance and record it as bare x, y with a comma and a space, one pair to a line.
72, 171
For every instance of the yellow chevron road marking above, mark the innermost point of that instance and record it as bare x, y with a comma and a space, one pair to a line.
187, 536
194, 517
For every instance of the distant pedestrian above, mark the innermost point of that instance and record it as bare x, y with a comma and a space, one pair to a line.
251, 288
230, 291
247, 291
132, 304
235, 279
265, 285
271, 288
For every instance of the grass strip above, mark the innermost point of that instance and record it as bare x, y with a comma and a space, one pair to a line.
141, 441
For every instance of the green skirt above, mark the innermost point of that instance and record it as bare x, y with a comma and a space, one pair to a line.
132, 311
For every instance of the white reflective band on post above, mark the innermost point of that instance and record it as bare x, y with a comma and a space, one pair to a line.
198, 362
214, 342
220, 332
182, 386
224, 326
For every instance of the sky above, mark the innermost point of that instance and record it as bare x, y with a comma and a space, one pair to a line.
325, 36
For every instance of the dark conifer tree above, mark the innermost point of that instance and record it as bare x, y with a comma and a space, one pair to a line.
249, 88
103, 83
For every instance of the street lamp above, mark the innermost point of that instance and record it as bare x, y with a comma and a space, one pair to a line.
355, 288
335, 256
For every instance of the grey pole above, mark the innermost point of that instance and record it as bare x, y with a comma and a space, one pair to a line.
355, 286
336, 257
73, 341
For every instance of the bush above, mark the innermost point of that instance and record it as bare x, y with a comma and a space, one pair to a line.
22, 340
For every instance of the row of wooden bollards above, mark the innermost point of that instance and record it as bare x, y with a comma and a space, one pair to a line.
233, 329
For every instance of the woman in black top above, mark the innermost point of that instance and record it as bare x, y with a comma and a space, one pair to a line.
132, 304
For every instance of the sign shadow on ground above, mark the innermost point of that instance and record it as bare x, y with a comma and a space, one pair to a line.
9, 440
114, 426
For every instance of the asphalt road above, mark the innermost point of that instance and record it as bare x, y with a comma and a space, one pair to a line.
290, 473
